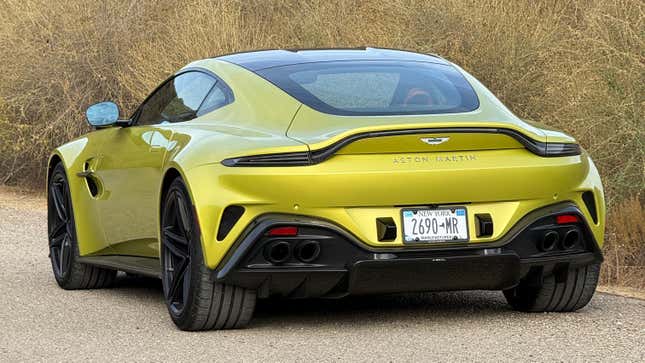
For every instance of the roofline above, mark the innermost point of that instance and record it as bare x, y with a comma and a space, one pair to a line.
295, 50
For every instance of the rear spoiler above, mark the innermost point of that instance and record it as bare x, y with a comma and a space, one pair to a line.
544, 149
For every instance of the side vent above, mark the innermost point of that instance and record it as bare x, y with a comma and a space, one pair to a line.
90, 180
91, 185
590, 202
231, 215
385, 229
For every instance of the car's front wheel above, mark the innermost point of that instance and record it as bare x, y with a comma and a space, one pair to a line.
567, 291
63, 244
194, 301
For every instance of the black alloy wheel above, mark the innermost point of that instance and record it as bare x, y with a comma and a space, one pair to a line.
177, 240
60, 226
193, 299
63, 243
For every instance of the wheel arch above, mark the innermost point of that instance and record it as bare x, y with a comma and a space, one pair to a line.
172, 172
54, 159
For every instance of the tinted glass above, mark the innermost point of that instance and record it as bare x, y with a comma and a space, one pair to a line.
376, 88
177, 100
215, 99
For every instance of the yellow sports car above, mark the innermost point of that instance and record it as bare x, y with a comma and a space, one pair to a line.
324, 173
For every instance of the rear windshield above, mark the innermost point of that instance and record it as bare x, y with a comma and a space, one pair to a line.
376, 88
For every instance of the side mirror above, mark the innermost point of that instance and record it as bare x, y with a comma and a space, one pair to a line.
102, 114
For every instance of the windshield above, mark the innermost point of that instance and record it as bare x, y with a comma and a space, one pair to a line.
376, 87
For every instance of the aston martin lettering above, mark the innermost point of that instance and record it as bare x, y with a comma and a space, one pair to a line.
408, 159
456, 158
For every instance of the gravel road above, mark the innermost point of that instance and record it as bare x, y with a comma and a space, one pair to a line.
41, 322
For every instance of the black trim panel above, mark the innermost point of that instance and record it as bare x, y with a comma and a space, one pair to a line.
493, 272
589, 199
346, 266
230, 216
259, 226
146, 266
317, 156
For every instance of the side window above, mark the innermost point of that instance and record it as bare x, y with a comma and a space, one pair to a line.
215, 99
177, 100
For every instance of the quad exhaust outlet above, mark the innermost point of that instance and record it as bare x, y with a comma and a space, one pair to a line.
280, 252
570, 239
307, 251
551, 239
277, 252
548, 241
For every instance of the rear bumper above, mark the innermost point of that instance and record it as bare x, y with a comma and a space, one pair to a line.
348, 267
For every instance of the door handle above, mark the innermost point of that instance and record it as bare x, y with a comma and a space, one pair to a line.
85, 174
94, 184
88, 168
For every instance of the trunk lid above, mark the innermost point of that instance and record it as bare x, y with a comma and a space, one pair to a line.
328, 135
423, 142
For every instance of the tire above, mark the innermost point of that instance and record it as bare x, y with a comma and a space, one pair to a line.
63, 243
572, 293
193, 300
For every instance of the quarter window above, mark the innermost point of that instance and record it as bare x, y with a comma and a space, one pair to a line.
179, 99
215, 99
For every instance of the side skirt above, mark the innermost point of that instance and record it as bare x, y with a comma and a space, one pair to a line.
146, 266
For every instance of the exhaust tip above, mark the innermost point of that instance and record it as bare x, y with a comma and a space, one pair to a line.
277, 252
548, 241
570, 239
307, 251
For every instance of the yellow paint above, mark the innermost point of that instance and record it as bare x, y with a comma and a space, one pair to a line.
365, 180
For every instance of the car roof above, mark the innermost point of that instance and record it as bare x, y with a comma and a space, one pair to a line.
261, 59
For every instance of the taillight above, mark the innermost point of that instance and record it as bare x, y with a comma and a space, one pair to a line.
567, 219
561, 149
286, 231
285, 159
303, 158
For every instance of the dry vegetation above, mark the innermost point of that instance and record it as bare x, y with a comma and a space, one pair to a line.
577, 65
624, 248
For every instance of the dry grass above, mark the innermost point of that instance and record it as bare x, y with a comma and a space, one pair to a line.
624, 249
577, 64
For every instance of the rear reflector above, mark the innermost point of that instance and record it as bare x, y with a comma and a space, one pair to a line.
283, 231
566, 219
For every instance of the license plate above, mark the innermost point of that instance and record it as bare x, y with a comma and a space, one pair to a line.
435, 225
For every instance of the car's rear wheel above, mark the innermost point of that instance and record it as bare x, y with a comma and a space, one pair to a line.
63, 244
194, 301
569, 291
